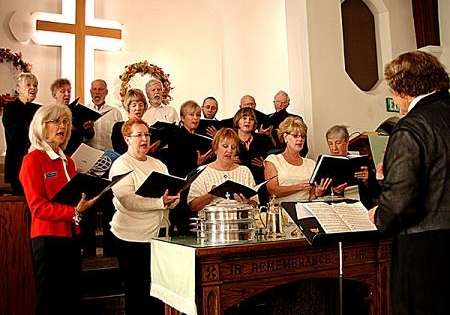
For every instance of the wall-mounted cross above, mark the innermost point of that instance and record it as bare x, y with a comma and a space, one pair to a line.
79, 26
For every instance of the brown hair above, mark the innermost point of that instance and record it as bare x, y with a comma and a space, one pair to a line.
416, 73
134, 95
222, 134
292, 124
57, 84
246, 111
126, 127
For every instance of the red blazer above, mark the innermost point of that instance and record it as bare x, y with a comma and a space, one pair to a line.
42, 178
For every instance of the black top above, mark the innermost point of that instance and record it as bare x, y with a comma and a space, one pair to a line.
259, 147
118, 142
16, 120
182, 152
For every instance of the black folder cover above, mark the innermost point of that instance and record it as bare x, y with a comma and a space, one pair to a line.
228, 188
156, 183
340, 169
82, 114
92, 186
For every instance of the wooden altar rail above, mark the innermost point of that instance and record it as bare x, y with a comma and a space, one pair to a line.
17, 289
226, 275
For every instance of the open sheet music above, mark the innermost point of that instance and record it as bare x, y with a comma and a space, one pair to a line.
337, 218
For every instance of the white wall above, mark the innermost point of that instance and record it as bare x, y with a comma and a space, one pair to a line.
231, 48
329, 94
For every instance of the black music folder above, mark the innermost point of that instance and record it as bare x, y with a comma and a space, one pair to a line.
163, 131
323, 222
91, 185
205, 123
82, 114
340, 169
157, 183
228, 188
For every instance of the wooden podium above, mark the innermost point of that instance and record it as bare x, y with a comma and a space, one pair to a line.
17, 289
227, 275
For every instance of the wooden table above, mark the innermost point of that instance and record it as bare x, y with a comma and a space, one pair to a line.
226, 275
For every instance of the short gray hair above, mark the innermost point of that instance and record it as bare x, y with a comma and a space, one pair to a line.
37, 132
281, 92
338, 131
151, 82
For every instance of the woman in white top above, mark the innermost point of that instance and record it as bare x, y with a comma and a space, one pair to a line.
137, 218
225, 146
293, 171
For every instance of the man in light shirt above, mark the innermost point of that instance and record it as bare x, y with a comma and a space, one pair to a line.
158, 111
103, 126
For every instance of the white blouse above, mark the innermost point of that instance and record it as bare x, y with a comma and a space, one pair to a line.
211, 177
289, 174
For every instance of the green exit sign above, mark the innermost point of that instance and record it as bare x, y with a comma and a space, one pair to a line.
391, 106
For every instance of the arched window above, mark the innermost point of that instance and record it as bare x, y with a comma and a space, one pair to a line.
360, 47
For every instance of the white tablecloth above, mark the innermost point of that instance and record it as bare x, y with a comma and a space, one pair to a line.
173, 275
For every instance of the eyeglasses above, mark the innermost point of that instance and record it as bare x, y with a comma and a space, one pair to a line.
59, 121
140, 135
296, 135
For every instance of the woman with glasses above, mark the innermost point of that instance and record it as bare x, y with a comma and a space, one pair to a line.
55, 250
137, 219
293, 171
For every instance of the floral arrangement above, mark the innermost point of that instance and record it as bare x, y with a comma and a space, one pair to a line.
144, 67
18, 63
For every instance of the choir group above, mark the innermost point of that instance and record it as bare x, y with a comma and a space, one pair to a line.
248, 148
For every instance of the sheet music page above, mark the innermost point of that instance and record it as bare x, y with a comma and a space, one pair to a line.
355, 215
85, 157
328, 218
302, 212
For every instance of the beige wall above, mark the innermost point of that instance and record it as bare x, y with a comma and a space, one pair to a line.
330, 95
230, 48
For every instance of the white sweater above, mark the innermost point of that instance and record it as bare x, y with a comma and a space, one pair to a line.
211, 177
137, 218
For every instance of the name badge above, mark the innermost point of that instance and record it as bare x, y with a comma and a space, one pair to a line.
50, 174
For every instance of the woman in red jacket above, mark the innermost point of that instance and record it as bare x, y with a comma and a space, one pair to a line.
56, 254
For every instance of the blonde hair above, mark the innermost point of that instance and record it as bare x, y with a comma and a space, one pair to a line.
292, 124
134, 95
37, 132
21, 78
188, 106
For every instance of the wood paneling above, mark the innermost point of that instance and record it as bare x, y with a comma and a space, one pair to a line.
17, 289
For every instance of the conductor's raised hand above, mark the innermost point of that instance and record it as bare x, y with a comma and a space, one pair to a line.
168, 200
85, 204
